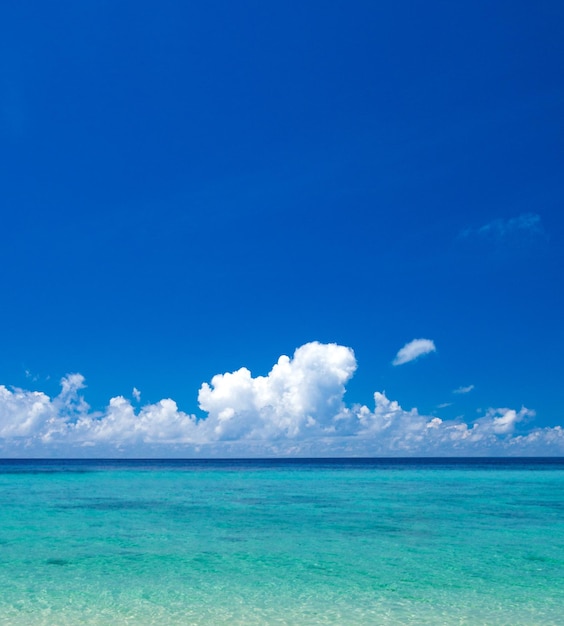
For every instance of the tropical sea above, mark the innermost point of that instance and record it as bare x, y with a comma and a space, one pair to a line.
343, 541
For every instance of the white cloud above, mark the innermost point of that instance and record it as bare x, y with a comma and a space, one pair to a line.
467, 389
136, 394
503, 421
23, 413
526, 224
299, 396
413, 350
297, 409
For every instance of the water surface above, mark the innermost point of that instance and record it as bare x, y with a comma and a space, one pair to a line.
361, 541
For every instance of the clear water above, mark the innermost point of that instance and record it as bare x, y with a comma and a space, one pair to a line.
273, 542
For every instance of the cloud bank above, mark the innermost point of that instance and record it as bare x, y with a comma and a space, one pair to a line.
413, 350
298, 409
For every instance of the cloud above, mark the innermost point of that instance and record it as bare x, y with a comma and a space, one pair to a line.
300, 396
526, 224
297, 409
136, 394
23, 413
467, 389
413, 350
503, 421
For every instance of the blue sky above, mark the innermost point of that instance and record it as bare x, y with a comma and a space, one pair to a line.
192, 188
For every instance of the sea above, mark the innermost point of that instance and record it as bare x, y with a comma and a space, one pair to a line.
300, 541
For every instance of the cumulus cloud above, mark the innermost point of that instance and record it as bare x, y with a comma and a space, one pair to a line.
300, 396
467, 389
413, 350
297, 409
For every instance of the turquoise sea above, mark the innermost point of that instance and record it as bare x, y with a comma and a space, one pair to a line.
299, 542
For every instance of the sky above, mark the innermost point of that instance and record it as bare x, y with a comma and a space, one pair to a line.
281, 228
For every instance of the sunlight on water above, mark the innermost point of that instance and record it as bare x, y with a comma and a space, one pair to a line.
275, 543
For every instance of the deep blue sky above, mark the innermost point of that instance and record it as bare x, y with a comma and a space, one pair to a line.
187, 188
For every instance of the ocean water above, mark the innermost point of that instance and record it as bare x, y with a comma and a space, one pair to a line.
282, 542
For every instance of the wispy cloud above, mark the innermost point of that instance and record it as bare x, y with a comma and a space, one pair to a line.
413, 350
298, 409
526, 224
467, 389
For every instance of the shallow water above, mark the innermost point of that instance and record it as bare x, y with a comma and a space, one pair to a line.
274, 542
